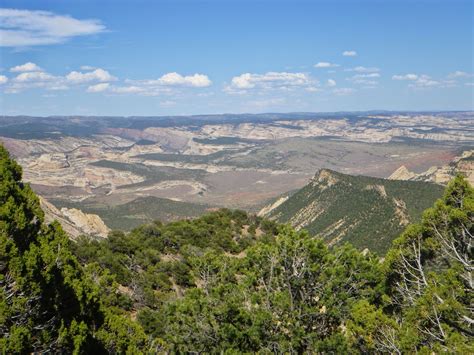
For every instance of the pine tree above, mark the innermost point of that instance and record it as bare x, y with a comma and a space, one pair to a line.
429, 299
47, 302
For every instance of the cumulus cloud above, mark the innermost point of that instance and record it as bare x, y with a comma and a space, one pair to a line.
30, 76
98, 87
3, 79
349, 53
325, 65
361, 69
175, 79
168, 84
96, 75
364, 76
270, 81
31, 80
331, 82
20, 28
405, 77
35, 76
424, 81
25, 68
420, 81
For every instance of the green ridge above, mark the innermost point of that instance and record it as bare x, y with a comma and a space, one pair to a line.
365, 211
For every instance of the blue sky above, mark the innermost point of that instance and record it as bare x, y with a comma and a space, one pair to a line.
191, 57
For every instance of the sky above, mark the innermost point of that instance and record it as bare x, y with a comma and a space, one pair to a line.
134, 58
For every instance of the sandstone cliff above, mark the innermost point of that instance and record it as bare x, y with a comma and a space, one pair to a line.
463, 164
74, 221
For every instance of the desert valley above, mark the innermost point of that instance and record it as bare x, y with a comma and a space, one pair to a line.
102, 173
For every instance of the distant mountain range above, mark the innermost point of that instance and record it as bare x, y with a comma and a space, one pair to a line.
463, 164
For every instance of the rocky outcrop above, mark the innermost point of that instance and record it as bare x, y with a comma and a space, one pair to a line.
74, 221
267, 209
324, 179
402, 173
463, 164
88, 223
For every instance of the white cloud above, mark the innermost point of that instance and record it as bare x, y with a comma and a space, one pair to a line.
3, 79
364, 76
349, 53
25, 68
270, 80
96, 75
20, 28
35, 76
331, 82
361, 69
405, 77
97, 80
98, 87
27, 79
165, 85
31, 80
459, 74
325, 65
424, 81
343, 91
421, 81
175, 79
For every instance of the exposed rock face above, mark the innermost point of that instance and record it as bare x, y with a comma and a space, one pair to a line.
74, 221
267, 209
402, 173
88, 223
324, 179
463, 164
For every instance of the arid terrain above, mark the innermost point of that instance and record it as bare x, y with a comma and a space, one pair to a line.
104, 165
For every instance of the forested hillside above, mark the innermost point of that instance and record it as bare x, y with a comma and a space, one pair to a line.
48, 302
232, 282
368, 212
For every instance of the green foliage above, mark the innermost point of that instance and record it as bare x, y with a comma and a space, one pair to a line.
228, 282
157, 260
47, 303
429, 283
367, 212
280, 297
